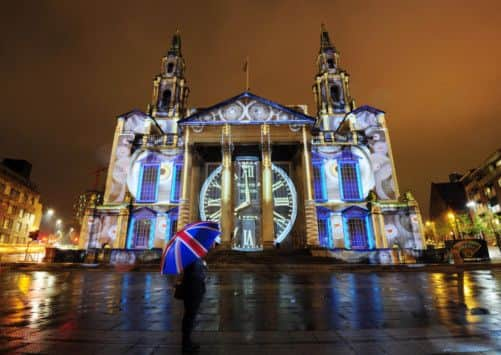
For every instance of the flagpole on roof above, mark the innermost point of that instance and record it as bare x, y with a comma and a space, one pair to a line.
246, 70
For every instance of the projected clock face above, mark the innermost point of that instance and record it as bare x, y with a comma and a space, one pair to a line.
210, 197
247, 202
284, 203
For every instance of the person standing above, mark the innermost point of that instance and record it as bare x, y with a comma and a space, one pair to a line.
193, 285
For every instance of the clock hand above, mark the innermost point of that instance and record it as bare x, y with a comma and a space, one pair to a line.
247, 190
247, 201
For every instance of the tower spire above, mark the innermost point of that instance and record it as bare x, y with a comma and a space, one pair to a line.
325, 42
331, 87
170, 92
175, 48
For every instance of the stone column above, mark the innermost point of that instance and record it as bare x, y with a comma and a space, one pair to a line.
267, 224
226, 188
309, 207
378, 228
185, 203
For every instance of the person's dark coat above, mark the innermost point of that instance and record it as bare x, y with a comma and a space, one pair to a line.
193, 290
194, 280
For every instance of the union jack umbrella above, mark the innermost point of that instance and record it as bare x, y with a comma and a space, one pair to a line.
187, 245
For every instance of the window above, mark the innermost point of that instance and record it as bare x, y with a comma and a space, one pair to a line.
337, 95
330, 63
171, 224
349, 176
358, 233
149, 182
324, 227
170, 67
319, 181
142, 229
2, 188
166, 96
21, 213
18, 226
7, 223
176, 182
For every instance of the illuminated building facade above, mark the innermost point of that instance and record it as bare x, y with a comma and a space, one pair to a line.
483, 190
270, 174
20, 207
85, 201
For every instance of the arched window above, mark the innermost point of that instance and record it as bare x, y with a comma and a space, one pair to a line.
142, 229
349, 176
330, 63
166, 95
357, 229
170, 67
337, 96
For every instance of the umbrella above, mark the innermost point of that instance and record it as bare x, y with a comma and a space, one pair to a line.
187, 245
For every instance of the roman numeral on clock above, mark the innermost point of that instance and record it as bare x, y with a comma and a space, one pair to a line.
278, 185
212, 202
215, 216
280, 220
281, 201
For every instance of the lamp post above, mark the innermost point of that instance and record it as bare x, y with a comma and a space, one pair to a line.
430, 227
453, 222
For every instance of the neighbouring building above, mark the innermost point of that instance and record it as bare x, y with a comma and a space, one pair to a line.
270, 174
447, 197
20, 206
447, 201
85, 201
483, 191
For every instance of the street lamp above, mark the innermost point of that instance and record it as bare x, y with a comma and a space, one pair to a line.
452, 220
471, 204
50, 212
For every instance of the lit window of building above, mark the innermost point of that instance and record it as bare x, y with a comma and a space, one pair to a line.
349, 176
149, 183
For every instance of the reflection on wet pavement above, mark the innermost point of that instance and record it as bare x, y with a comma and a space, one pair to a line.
351, 312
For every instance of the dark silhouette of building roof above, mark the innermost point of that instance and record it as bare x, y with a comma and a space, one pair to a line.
447, 196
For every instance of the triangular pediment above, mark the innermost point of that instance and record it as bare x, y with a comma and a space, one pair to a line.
246, 109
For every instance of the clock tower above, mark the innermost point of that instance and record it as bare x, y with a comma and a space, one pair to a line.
170, 92
331, 88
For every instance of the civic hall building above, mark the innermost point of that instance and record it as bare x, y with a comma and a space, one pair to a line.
270, 174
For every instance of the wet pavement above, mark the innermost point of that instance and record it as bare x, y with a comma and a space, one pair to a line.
106, 312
